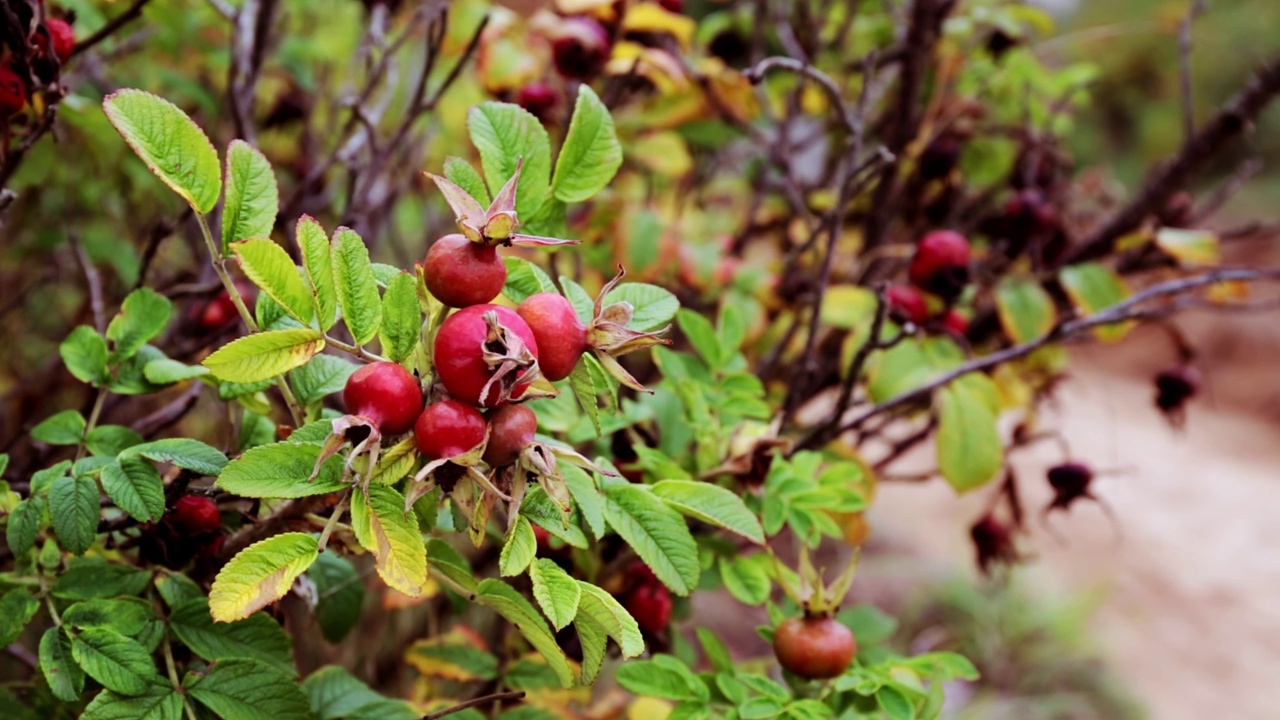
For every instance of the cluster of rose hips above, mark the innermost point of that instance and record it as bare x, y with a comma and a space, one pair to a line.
940, 268
47, 48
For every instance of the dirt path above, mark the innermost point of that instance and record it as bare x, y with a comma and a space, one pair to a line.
1190, 614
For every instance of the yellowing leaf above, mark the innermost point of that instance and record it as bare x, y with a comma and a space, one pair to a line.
170, 144
383, 528
264, 355
665, 153
653, 18
1225, 293
1093, 287
260, 574
1190, 247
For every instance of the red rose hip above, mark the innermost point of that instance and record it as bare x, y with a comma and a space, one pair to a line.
460, 350
461, 273
194, 515
386, 394
448, 429
906, 304
511, 428
13, 93
562, 338
941, 263
817, 648
650, 604
62, 37
582, 48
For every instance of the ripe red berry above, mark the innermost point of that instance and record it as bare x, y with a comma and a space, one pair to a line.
448, 429
194, 515
582, 48
562, 338
538, 98
511, 428
385, 394
62, 37
955, 322
218, 312
461, 273
459, 354
814, 648
13, 93
941, 263
906, 304
650, 604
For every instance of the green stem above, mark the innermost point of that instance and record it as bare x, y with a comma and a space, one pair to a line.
94, 415
220, 267
354, 350
48, 599
333, 521
170, 665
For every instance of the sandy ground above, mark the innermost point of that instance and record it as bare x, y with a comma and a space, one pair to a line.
1189, 613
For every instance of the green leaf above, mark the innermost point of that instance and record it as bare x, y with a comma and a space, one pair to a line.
869, 624
556, 592
808, 709
384, 528
401, 317
604, 610
357, 289
256, 637
322, 376
910, 364
582, 488
505, 134
449, 565
335, 693
716, 652
712, 504
17, 607
111, 440
23, 524
185, 453
317, 265
170, 144
657, 533
142, 316
159, 702
969, 448
167, 371
759, 709
525, 279
339, 593
591, 154
84, 352
65, 678
519, 549
64, 428
252, 198
264, 355
662, 677
260, 574
1092, 288
280, 470
579, 298
464, 175
943, 666
270, 268
584, 391
746, 578
73, 507
594, 641
895, 704
176, 589
93, 578
451, 659
653, 306
119, 663
135, 487
249, 690
127, 617
1026, 311
508, 603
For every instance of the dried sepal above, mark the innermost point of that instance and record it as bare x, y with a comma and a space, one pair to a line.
608, 335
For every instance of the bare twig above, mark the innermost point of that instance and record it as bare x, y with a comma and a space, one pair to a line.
495, 697
94, 280
131, 13
1184, 68
1246, 172
847, 115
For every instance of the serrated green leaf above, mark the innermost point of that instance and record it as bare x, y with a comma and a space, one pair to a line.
252, 198
579, 298
657, 533
256, 637
450, 566
159, 702
505, 134
653, 306
452, 660
543, 512
464, 175
260, 574
127, 617
716, 652
73, 507
64, 676
23, 525
700, 333
93, 578
401, 317
357, 289
111, 440
322, 376
587, 499
84, 352
604, 610
119, 663
1026, 311
591, 154
970, 452
264, 355
335, 693
166, 371
17, 607
339, 593
525, 279
64, 428
280, 470
556, 592
712, 504
317, 265
176, 589
384, 528
895, 704
746, 579
249, 690
396, 462
170, 144
269, 267
135, 486
760, 708
669, 680
508, 603
185, 453
142, 316
519, 549
594, 641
